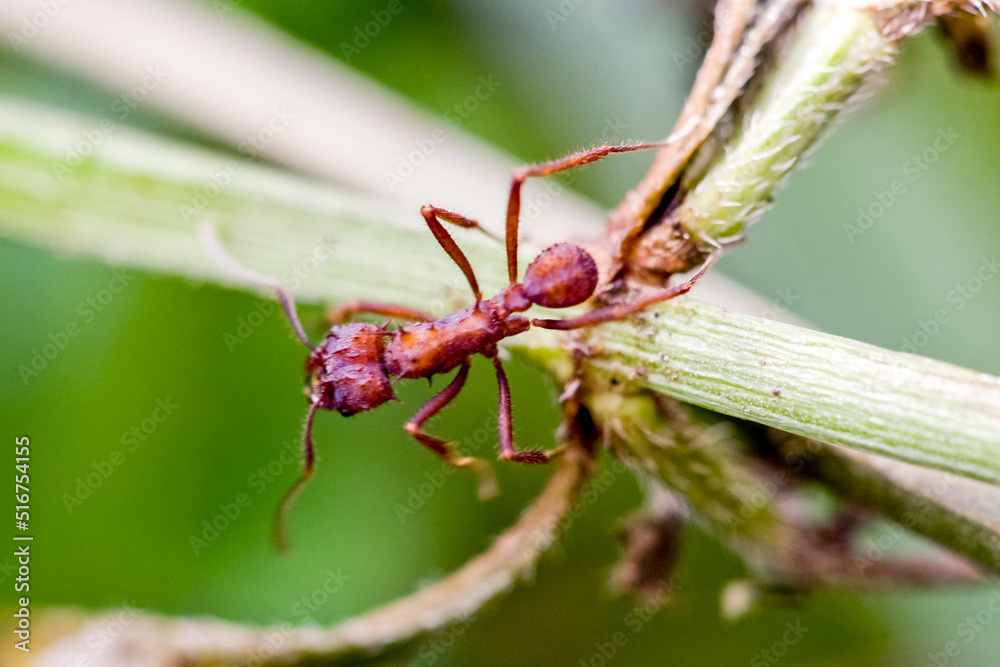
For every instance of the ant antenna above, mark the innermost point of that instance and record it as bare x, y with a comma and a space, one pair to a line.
279, 533
208, 234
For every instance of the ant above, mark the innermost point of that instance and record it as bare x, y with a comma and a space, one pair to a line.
352, 369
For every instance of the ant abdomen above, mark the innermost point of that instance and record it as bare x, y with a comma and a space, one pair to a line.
562, 275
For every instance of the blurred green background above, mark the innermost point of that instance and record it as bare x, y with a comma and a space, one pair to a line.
161, 339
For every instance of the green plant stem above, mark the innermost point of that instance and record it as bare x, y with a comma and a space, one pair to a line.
809, 383
137, 201
124, 204
700, 459
833, 51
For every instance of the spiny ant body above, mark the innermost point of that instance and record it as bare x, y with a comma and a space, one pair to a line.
353, 368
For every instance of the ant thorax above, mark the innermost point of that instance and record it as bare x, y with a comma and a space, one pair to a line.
424, 349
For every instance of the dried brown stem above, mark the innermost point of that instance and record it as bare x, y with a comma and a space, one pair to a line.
159, 641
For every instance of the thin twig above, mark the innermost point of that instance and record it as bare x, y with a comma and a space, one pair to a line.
158, 641
943, 507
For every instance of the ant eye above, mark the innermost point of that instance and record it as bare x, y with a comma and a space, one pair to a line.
563, 275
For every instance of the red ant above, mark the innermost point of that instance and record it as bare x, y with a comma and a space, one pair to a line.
351, 371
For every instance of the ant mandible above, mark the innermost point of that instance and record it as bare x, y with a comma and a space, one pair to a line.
352, 369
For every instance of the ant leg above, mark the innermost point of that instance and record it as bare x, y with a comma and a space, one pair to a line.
459, 220
209, 236
623, 310
279, 534
348, 310
545, 169
487, 483
507, 451
434, 215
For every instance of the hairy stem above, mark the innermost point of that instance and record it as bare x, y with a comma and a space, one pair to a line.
833, 51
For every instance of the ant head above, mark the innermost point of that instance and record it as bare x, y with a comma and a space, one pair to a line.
563, 275
346, 372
